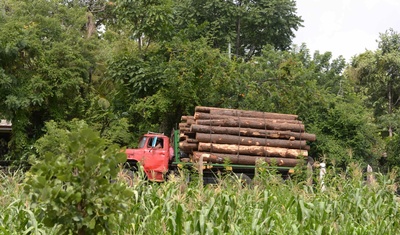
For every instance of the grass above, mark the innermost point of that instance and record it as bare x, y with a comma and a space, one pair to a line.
271, 206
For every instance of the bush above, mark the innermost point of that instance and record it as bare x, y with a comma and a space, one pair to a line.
70, 182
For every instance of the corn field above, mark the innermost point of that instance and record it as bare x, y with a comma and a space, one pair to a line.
347, 205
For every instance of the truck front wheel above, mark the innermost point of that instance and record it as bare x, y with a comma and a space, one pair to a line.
240, 179
127, 175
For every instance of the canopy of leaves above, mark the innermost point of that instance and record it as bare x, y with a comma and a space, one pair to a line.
247, 25
44, 65
378, 74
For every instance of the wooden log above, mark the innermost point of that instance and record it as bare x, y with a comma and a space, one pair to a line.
184, 129
187, 119
245, 159
245, 113
199, 115
183, 124
248, 141
236, 122
183, 137
188, 147
253, 132
192, 141
252, 150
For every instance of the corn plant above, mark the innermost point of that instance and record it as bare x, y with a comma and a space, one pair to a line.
348, 205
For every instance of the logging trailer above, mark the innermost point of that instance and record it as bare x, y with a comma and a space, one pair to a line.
217, 141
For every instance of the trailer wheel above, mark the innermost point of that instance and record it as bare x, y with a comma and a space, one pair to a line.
237, 178
127, 175
244, 179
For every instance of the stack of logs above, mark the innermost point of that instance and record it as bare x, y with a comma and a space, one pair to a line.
220, 135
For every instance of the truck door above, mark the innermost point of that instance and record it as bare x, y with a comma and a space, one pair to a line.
155, 161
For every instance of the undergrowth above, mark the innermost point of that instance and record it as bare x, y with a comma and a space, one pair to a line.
347, 205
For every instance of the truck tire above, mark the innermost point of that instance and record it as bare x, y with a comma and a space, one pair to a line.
127, 175
244, 179
237, 178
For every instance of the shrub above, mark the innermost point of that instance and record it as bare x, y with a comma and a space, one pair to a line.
70, 182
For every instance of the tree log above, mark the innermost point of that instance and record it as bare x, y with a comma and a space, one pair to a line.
236, 122
248, 141
187, 119
188, 147
245, 159
199, 115
245, 113
253, 132
252, 150
184, 129
183, 125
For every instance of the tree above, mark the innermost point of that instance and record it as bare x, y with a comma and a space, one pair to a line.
378, 75
147, 21
296, 82
158, 86
45, 66
247, 25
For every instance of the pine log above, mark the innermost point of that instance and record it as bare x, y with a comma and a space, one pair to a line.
199, 115
183, 125
248, 141
244, 113
187, 119
236, 122
252, 150
184, 129
182, 137
188, 147
253, 132
245, 159
192, 141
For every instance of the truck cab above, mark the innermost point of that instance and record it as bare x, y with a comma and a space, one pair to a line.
154, 153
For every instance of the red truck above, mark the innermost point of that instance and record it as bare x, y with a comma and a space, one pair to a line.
219, 140
159, 161
155, 153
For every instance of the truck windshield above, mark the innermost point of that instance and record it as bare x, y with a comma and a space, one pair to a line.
142, 142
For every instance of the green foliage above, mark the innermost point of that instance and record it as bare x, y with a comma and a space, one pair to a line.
324, 99
148, 21
112, 126
345, 134
157, 60
168, 81
45, 63
17, 216
377, 74
347, 205
70, 184
247, 25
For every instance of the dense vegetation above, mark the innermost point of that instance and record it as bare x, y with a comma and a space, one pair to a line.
81, 79
346, 206
129, 67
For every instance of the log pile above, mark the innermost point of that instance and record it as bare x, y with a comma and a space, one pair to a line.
221, 135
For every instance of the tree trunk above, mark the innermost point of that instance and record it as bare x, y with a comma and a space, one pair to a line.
240, 140
245, 113
252, 132
188, 147
208, 116
187, 119
252, 150
390, 98
245, 159
237, 122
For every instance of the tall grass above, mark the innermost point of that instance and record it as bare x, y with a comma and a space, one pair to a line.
271, 206
16, 214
